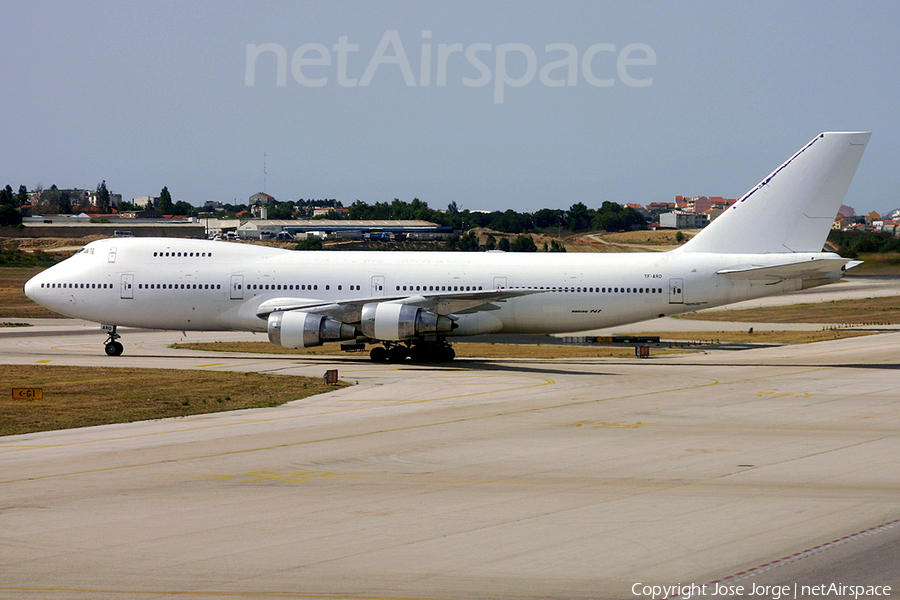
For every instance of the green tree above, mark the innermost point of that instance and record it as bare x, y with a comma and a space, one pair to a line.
9, 215
491, 242
504, 244
50, 200
524, 243
579, 217
166, 206
311, 243
22, 196
65, 203
281, 210
556, 246
102, 197
468, 242
184, 208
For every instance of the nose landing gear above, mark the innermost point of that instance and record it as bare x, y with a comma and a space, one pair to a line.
112, 347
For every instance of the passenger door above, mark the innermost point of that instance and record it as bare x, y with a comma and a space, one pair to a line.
676, 291
377, 285
237, 287
127, 286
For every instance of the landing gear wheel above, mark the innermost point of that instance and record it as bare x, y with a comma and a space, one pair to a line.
417, 354
379, 354
397, 354
446, 354
114, 349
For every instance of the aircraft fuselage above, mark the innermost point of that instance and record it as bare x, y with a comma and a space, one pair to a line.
203, 285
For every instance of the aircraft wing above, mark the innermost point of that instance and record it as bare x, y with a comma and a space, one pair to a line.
775, 273
442, 303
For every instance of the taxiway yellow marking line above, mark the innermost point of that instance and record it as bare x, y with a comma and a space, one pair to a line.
546, 381
542, 483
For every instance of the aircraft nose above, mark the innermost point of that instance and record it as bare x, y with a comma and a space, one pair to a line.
31, 287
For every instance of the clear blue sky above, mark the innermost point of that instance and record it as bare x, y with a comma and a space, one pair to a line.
147, 94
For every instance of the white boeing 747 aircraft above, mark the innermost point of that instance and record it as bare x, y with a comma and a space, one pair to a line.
409, 303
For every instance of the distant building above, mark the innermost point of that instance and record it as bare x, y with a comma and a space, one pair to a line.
682, 220
261, 198
702, 204
332, 229
144, 201
657, 208
324, 211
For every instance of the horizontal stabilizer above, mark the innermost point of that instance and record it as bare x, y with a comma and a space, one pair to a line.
776, 273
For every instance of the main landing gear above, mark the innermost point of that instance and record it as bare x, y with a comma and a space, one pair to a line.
112, 347
418, 352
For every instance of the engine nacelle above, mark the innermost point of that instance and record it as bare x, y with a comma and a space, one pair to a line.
295, 329
392, 321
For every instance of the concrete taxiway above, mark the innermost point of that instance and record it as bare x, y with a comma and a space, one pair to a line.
500, 479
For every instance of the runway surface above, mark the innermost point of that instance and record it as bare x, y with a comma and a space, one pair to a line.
487, 479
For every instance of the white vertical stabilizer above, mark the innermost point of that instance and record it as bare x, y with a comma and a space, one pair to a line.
793, 208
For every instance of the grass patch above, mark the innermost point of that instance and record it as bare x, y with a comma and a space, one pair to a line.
13, 301
18, 258
85, 396
880, 264
884, 310
547, 351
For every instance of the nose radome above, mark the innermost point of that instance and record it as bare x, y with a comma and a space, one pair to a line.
30, 287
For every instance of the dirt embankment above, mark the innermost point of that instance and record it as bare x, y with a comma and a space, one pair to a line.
48, 244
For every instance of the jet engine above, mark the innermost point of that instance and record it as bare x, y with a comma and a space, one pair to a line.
391, 321
295, 329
